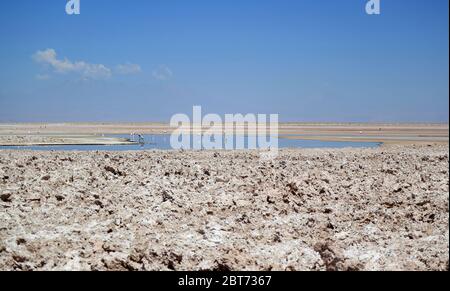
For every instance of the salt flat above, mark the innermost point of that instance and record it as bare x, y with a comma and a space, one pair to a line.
54, 140
91, 133
362, 132
330, 209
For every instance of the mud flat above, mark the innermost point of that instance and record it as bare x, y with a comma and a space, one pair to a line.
348, 209
53, 140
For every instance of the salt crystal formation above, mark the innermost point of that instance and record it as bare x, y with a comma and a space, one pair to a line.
346, 209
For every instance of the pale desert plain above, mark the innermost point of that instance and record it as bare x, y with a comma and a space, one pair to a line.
383, 208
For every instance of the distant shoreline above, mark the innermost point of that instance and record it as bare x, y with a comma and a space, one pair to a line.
94, 133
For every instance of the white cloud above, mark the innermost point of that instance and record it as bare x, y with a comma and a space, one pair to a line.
128, 69
162, 73
86, 70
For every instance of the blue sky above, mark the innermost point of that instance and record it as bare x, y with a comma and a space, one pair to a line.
145, 60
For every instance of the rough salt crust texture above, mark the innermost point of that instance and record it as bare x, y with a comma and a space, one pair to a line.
347, 209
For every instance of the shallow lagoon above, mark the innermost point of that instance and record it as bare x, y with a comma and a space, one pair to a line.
162, 142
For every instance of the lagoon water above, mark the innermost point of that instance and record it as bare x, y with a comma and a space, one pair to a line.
162, 142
